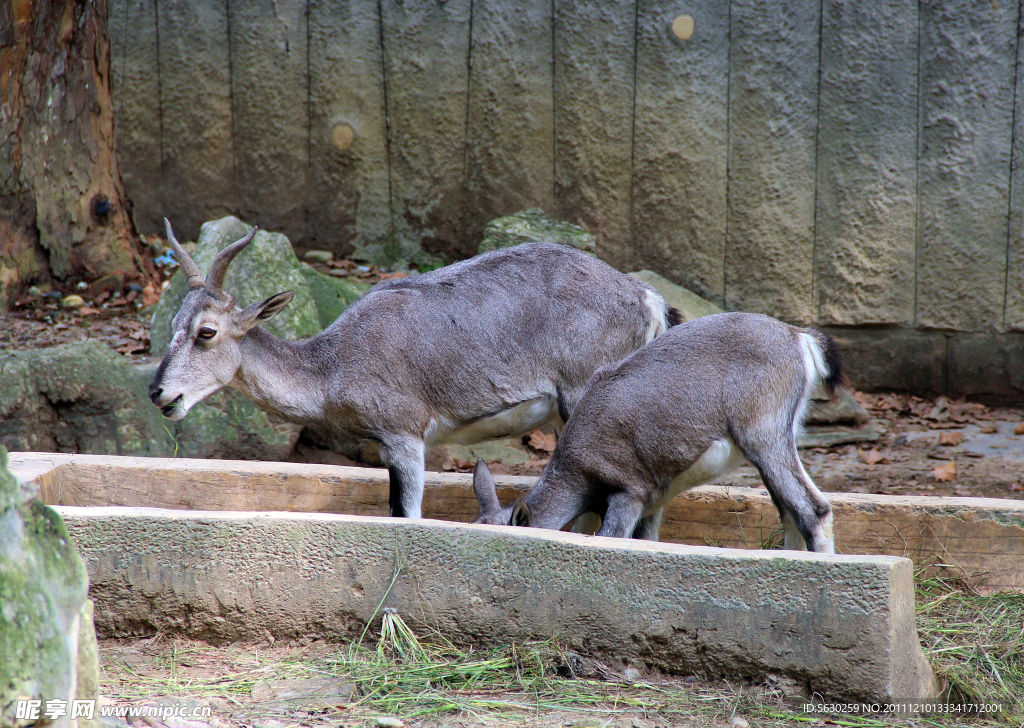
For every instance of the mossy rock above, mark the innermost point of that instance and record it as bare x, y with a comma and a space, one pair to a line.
688, 303
268, 265
331, 295
534, 226
79, 397
43, 586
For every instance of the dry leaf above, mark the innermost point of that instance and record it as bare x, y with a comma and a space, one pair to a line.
1019, 429
989, 430
870, 457
953, 437
539, 441
88, 311
150, 295
946, 472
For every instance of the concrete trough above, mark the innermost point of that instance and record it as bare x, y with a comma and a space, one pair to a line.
842, 625
226, 550
980, 538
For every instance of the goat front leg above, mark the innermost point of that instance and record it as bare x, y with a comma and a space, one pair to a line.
647, 528
622, 517
404, 457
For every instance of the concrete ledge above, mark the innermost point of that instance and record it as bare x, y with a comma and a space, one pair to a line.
843, 625
982, 537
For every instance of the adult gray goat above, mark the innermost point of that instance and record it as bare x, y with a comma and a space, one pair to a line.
491, 347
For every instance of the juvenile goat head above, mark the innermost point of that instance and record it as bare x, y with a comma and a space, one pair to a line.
205, 349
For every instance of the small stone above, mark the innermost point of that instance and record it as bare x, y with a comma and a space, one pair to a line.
269, 724
738, 722
318, 256
339, 273
631, 673
387, 721
73, 302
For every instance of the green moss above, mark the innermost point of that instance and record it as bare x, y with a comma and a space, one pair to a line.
43, 585
331, 295
534, 226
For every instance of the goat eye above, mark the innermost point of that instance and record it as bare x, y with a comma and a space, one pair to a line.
207, 333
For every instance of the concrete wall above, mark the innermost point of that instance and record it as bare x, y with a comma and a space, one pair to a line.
846, 164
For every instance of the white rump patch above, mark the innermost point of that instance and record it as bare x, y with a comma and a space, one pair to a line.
659, 312
814, 361
721, 458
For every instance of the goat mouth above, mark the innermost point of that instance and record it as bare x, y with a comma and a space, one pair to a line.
169, 408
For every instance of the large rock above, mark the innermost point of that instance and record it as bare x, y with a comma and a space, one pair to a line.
267, 266
84, 398
534, 226
79, 397
44, 614
688, 303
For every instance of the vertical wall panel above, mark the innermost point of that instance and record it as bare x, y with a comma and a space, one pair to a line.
867, 151
510, 142
135, 84
198, 148
270, 99
1014, 316
679, 175
772, 153
426, 43
349, 198
968, 51
594, 70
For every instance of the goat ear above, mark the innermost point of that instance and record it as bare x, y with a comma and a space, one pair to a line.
260, 312
521, 514
483, 486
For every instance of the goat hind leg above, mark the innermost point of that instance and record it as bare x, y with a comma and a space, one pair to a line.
805, 512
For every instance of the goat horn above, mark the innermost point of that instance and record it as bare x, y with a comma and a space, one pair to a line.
215, 278
195, 278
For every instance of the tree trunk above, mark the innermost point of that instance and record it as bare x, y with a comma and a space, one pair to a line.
63, 209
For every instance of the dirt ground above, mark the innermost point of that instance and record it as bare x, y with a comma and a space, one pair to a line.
287, 686
928, 447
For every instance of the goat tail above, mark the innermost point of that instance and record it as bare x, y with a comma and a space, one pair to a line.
822, 361
662, 315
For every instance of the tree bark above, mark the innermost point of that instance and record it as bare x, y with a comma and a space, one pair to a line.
63, 209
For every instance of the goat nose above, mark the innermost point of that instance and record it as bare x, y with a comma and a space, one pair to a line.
154, 391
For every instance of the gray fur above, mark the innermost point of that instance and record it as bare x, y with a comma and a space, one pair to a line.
682, 411
495, 346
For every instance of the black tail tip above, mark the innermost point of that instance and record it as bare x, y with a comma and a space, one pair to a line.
834, 361
673, 317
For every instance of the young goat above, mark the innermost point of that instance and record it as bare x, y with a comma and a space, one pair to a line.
684, 410
491, 347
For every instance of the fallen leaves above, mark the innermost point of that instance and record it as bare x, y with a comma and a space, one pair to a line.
542, 442
951, 438
946, 472
1019, 429
871, 457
